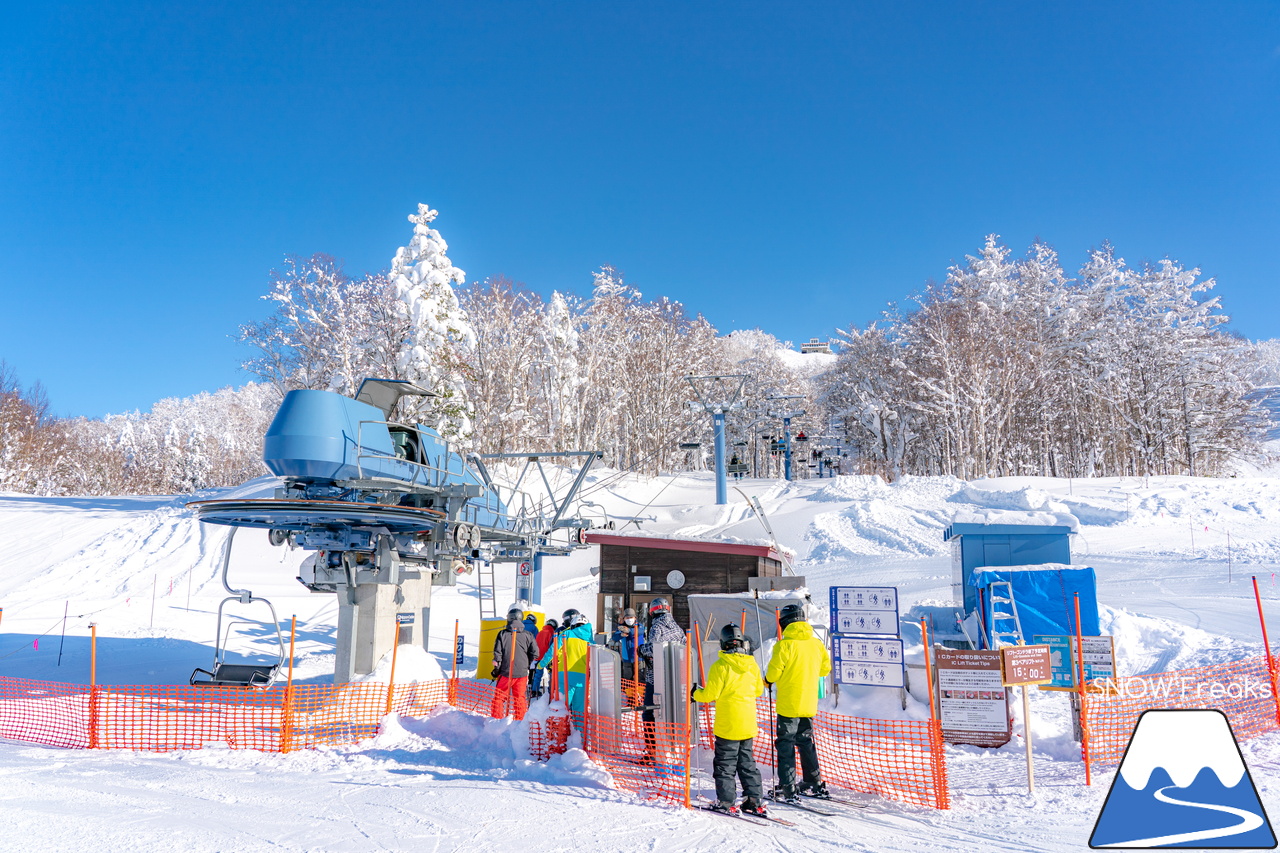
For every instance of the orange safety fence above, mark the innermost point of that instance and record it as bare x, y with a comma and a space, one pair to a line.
162, 718
45, 712
899, 760
891, 758
1243, 690
650, 760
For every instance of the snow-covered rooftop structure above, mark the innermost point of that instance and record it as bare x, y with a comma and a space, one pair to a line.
998, 537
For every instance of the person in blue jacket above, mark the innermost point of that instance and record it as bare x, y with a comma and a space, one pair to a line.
627, 639
572, 641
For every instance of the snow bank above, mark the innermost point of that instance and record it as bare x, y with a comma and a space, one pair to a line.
1017, 518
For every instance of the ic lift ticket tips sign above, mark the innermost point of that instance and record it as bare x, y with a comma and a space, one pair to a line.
865, 647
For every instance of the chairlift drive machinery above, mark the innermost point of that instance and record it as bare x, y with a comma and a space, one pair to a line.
392, 504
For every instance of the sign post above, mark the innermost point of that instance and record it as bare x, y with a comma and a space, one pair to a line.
1022, 666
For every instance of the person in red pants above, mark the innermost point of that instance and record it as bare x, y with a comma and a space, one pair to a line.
514, 653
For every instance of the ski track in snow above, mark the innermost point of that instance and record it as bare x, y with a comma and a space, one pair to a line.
1174, 596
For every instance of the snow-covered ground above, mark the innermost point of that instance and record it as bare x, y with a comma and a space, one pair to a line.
1173, 557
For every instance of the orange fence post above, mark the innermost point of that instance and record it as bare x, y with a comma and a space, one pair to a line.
93, 685
391, 679
555, 668
1083, 694
453, 682
937, 760
286, 725
928, 670
1271, 664
586, 701
635, 665
702, 673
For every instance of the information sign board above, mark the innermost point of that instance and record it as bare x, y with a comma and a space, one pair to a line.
404, 618
457, 653
864, 598
1023, 665
864, 610
873, 661
972, 701
1099, 659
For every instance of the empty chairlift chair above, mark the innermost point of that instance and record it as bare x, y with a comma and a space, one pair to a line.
226, 674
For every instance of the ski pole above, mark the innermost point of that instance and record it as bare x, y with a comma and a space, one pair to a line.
760, 635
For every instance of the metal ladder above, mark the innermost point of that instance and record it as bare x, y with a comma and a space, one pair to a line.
999, 617
486, 591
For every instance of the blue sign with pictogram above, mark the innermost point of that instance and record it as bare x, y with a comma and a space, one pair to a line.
864, 610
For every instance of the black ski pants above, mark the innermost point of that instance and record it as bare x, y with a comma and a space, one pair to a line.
647, 718
733, 757
796, 733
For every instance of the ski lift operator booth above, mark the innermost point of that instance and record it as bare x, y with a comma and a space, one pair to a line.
634, 570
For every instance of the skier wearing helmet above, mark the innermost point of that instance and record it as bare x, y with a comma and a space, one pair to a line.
799, 660
572, 641
545, 640
662, 629
733, 683
514, 652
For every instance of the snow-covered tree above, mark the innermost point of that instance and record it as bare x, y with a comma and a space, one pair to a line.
434, 351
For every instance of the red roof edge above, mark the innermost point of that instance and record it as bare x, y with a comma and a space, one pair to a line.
700, 545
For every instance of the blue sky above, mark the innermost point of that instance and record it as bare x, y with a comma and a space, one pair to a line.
792, 167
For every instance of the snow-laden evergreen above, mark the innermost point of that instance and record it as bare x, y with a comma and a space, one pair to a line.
438, 334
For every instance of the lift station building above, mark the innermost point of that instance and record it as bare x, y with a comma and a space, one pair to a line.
634, 570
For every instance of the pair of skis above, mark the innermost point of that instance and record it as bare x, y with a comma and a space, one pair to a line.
757, 819
764, 820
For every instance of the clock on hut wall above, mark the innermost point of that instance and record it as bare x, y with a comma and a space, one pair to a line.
675, 578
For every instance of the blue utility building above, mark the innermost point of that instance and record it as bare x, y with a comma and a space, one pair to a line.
1009, 539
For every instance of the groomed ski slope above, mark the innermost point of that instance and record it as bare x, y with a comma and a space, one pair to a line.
146, 573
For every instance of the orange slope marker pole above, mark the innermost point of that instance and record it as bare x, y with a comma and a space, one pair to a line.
1271, 664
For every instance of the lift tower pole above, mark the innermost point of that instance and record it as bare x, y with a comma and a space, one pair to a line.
786, 430
717, 396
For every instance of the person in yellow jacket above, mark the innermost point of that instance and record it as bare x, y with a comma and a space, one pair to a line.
799, 660
733, 683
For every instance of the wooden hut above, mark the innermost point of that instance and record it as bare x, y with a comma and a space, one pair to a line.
634, 570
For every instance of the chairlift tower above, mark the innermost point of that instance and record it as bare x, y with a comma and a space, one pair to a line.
717, 396
786, 430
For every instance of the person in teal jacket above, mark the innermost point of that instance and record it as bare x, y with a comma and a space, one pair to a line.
572, 642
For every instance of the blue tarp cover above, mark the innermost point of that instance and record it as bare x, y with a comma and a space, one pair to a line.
1044, 595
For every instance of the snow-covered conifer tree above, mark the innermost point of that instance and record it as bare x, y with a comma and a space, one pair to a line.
432, 354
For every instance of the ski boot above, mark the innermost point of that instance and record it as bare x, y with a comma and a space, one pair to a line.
782, 795
753, 806
818, 791
727, 808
